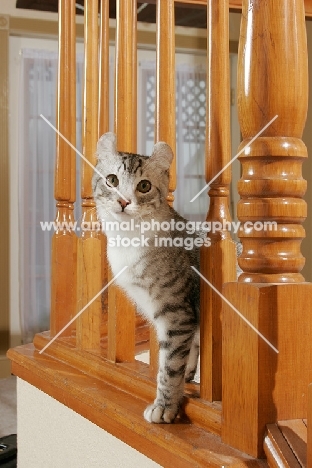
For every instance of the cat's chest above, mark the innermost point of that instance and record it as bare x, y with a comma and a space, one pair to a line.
120, 256
130, 278
126, 247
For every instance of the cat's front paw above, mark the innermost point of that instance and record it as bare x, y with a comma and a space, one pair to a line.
157, 413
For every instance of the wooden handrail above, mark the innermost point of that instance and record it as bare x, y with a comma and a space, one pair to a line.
235, 5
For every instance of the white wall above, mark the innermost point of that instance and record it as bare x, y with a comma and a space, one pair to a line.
51, 435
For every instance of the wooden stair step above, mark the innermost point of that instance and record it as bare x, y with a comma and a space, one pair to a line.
183, 444
286, 444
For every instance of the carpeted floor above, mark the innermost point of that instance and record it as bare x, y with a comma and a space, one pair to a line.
8, 423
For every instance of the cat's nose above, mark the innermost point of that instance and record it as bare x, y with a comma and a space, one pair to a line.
123, 203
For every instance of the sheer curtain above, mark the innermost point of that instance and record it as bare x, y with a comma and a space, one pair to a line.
37, 159
37, 149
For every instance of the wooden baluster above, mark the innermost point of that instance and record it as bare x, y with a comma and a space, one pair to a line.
165, 115
121, 313
260, 385
89, 246
103, 128
72, 52
218, 154
126, 76
104, 69
64, 241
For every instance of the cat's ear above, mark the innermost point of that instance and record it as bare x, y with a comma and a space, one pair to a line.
162, 155
106, 145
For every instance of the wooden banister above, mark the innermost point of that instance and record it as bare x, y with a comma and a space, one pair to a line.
257, 385
236, 5
264, 385
218, 154
64, 241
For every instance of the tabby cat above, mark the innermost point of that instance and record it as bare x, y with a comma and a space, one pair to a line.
159, 279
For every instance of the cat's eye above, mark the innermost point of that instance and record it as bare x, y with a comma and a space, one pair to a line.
144, 186
112, 180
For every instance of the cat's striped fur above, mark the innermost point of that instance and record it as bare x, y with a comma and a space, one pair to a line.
159, 280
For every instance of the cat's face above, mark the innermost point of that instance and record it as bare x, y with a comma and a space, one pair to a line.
129, 185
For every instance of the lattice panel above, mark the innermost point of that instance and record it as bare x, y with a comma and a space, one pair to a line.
191, 106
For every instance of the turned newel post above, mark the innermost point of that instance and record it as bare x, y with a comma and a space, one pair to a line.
272, 80
264, 383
